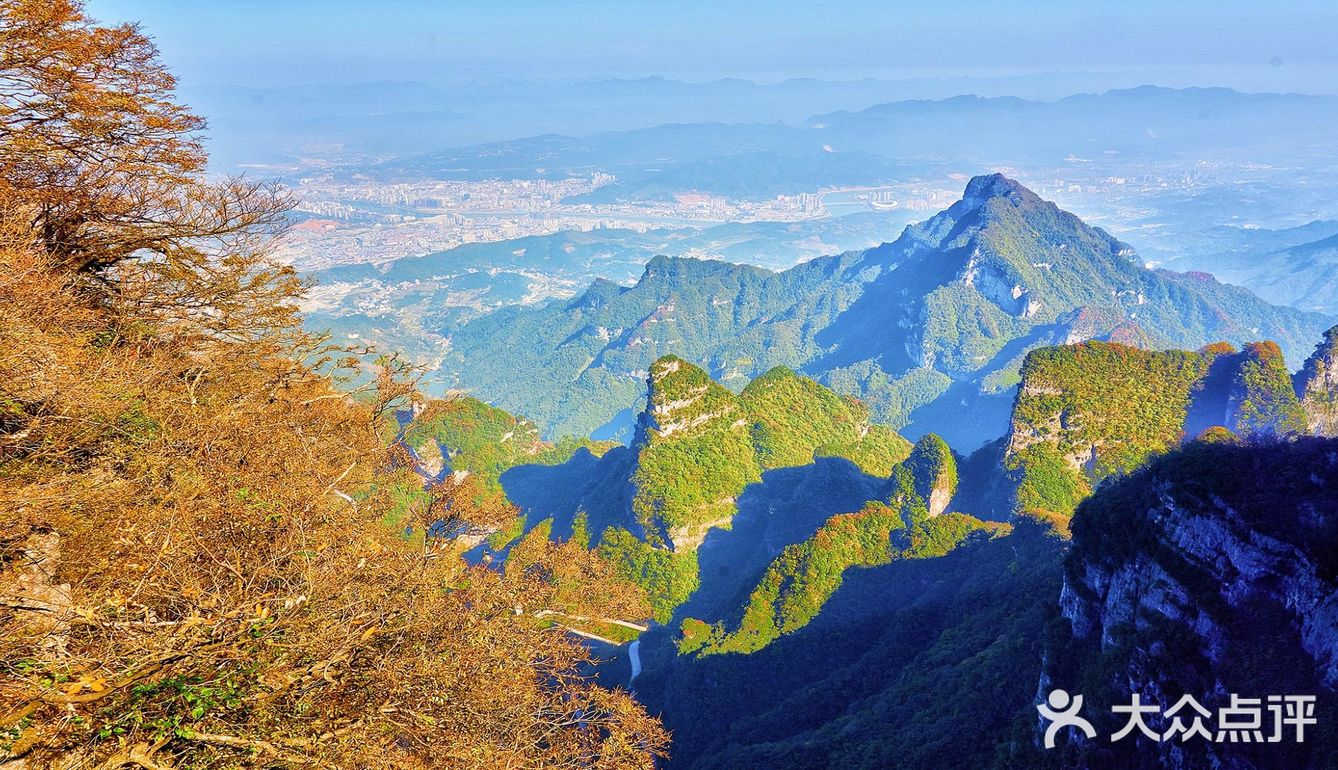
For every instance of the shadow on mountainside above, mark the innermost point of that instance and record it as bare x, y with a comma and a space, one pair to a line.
787, 506
883, 675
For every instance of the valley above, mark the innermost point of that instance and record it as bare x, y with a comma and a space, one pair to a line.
833, 582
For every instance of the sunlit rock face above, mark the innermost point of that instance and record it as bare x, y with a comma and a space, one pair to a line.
1317, 387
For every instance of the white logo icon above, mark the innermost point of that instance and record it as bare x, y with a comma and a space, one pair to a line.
1063, 712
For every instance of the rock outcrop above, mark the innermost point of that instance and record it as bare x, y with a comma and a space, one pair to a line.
1261, 401
1092, 410
694, 455
933, 472
1317, 387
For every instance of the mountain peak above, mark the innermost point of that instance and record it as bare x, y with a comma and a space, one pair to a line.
933, 472
973, 211
667, 365
664, 267
682, 397
601, 292
987, 186
688, 415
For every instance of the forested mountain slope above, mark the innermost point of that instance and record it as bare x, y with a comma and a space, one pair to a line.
947, 311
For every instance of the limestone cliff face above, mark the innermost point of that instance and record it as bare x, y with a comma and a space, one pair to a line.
1317, 387
681, 401
693, 456
933, 472
1210, 572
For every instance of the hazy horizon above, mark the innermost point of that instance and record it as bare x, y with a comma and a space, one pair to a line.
251, 44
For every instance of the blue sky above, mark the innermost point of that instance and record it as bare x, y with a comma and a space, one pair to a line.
252, 42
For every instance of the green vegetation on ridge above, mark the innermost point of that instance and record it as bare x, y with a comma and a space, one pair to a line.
931, 471
1093, 410
795, 418
1265, 401
1087, 411
798, 583
485, 440
1108, 404
699, 446
669, 577
695, 456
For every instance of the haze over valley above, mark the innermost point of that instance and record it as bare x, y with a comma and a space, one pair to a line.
407, 249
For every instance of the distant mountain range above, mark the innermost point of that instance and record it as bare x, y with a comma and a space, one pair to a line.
899, 140
375, 119
930, 329
1297, 267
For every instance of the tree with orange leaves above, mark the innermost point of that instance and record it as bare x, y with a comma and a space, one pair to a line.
196, 567
96, 145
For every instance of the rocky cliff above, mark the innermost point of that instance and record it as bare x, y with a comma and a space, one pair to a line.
1208, 572
697, 459
1317, 387
933, 473
694, 455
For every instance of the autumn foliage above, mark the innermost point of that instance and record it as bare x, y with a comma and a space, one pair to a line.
195, 569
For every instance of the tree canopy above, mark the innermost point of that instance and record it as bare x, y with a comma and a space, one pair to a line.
196, 564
